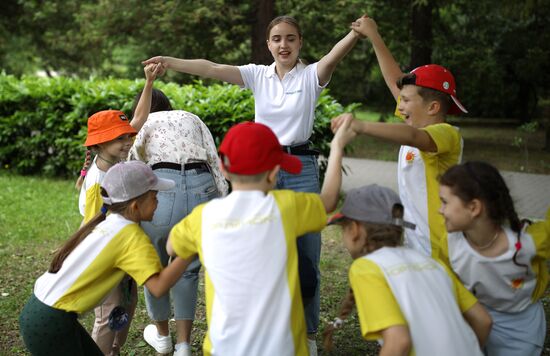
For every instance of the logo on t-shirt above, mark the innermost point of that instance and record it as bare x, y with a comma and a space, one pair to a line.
517, 283
409, 157
294, 92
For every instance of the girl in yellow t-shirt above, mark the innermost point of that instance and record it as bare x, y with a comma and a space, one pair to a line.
110, 137
94, 261
409, 301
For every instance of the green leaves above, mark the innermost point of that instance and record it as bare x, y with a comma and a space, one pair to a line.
43, 120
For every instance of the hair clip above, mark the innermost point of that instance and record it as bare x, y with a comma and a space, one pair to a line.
337, 323
103, 209
83, 173
518, 245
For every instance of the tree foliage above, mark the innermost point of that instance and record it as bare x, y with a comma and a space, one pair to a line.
498, 51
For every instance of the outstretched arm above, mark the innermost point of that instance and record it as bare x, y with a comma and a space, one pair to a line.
333, 176
399, 133
328, 63
389, 67
201, 67
144, 104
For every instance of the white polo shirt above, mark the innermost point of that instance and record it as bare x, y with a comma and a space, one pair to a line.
287, 106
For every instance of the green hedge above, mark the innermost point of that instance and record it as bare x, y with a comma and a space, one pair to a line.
43, 120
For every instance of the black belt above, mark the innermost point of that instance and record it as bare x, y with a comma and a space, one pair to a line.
300, 150
178, 167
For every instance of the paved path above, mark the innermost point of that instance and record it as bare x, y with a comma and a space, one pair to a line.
531, 192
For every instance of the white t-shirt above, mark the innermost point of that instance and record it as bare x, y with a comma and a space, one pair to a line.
247, 245
497, 281
287, 106
426, 297
417, 177
90, 200
115, 247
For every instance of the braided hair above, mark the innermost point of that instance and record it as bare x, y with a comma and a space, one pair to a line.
480, 180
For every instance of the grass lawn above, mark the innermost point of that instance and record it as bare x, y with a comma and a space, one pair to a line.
37, 215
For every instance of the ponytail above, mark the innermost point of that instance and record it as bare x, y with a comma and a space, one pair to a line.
346, 308
79, 236
85, 230
84, 170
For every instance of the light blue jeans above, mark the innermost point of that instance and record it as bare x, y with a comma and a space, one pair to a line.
193, 187
309, 245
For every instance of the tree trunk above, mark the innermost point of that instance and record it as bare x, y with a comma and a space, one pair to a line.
263, 12
421, 33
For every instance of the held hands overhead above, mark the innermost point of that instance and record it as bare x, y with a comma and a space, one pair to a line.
365, 26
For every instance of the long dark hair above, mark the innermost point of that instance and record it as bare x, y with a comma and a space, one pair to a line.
480, 180
85, 230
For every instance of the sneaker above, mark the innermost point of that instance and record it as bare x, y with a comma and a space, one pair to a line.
312, 347
183, 349
161, 344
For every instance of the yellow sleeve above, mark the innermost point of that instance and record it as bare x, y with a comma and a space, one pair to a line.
377, 307
305, 212
186, 235
464, 297
540, 232
94, 201
446, 137
138, 257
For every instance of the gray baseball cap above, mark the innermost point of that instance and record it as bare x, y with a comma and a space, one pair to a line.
372, 204
128, 180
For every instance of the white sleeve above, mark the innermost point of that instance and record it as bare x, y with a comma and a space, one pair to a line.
248, 73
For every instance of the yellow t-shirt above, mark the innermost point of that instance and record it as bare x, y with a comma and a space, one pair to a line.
391, 283
247, 245
418, 173
90, 200
115, 247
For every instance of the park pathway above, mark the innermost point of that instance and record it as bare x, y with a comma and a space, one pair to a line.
531, 192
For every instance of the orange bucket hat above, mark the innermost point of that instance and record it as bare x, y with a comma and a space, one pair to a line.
105, 126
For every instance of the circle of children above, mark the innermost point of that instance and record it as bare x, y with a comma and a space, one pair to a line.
444, 268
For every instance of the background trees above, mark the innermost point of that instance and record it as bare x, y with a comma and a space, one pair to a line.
499, 51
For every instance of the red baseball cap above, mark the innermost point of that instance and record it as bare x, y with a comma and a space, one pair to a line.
106, 125
251, 148
439, 78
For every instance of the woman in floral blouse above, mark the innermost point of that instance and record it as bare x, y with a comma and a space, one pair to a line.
178, 146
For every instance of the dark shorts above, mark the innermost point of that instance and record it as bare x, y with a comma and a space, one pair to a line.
49, 331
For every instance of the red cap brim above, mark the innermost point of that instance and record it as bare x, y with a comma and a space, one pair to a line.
457, 108
291, 164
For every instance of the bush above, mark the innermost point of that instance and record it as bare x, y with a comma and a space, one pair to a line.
43, 120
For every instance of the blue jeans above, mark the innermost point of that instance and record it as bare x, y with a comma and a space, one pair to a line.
309, 245
193, 187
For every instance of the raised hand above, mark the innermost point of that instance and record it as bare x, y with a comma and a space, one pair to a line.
365, 26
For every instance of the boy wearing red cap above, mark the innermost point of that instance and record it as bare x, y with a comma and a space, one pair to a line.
429, 145
247, 243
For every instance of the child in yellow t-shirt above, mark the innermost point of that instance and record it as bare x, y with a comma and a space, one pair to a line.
94, 261
408, 300
428, 145
246, 242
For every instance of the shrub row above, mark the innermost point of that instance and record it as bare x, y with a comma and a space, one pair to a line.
43, 120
